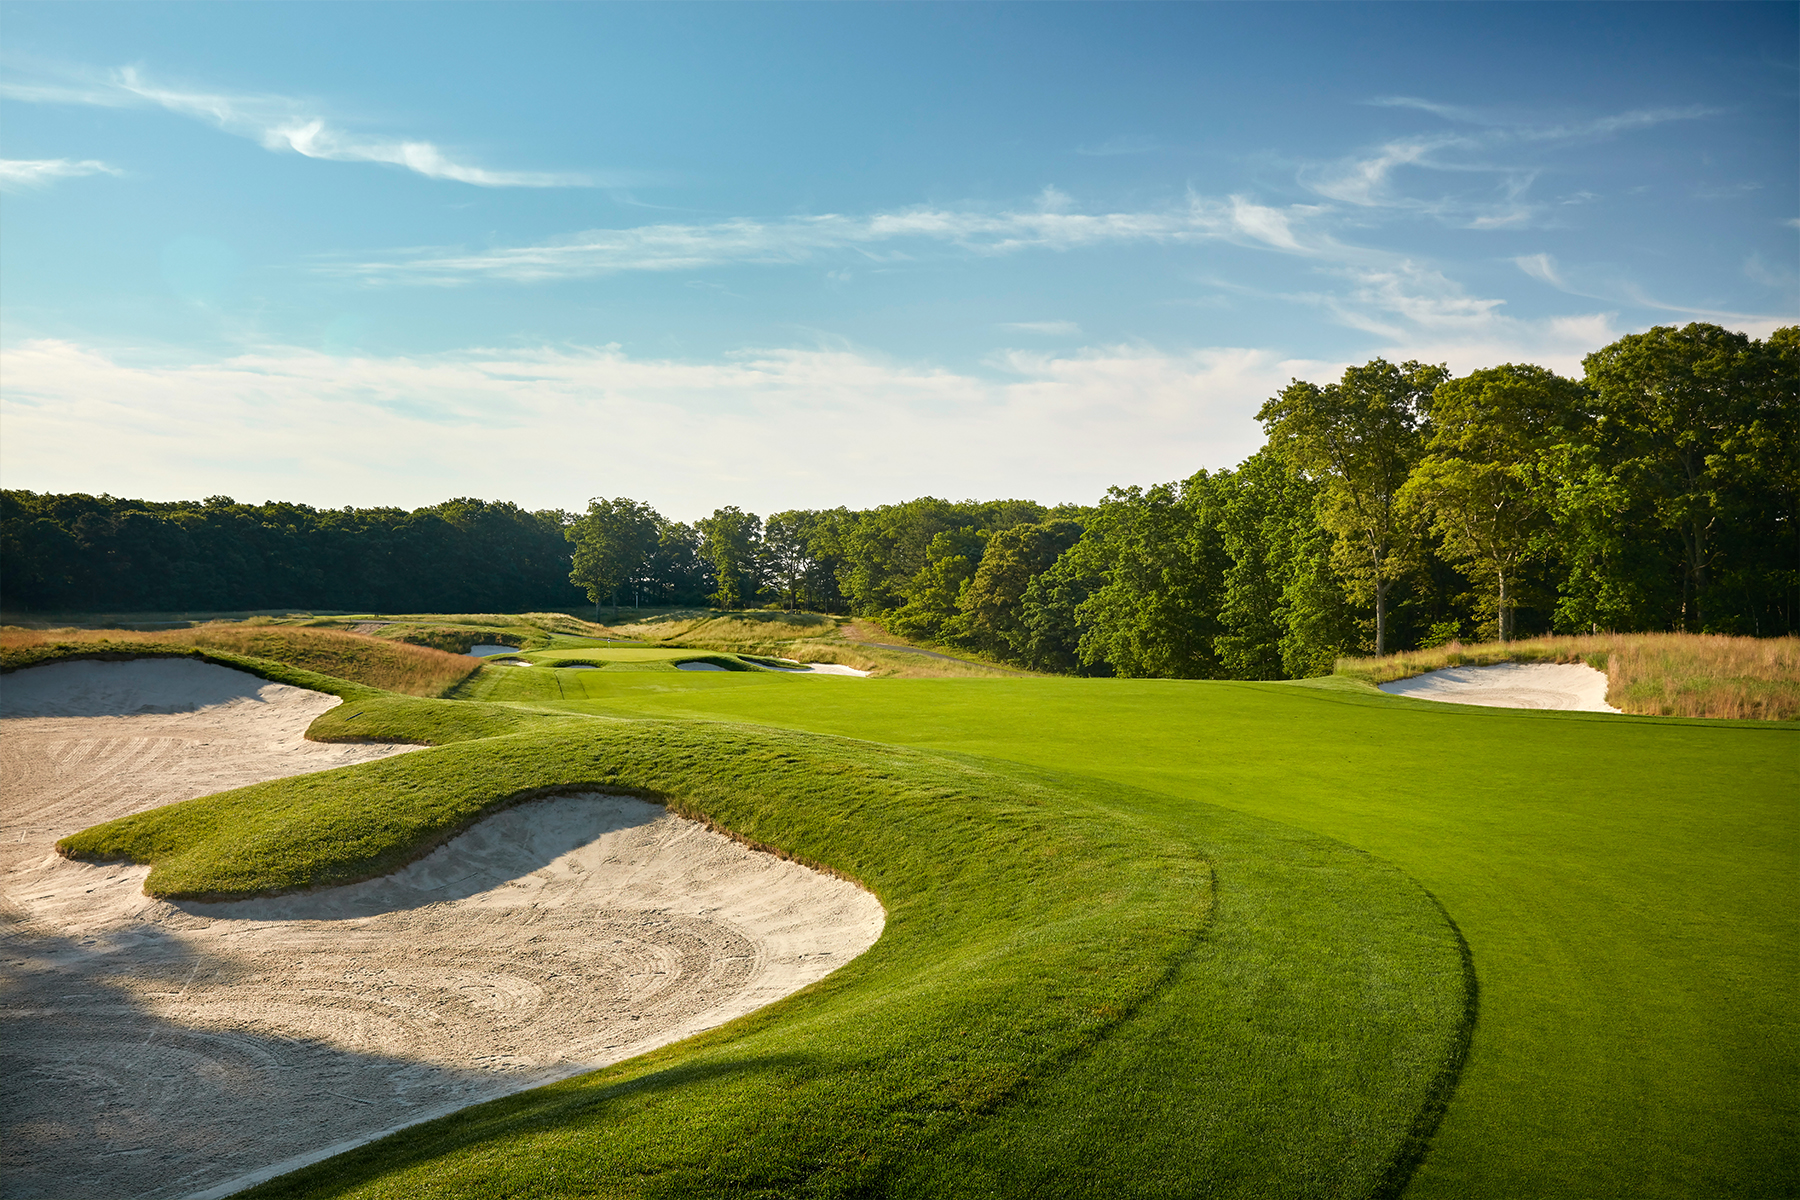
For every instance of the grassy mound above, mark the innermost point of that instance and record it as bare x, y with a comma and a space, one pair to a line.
375, 662
1217, 1004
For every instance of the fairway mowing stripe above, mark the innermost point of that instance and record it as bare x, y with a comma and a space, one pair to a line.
1417, 1145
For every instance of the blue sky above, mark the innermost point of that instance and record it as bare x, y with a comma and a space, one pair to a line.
808, 255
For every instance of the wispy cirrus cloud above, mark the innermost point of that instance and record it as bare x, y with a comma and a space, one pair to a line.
1609, 288
1371, 179
894, 235
288, 124
17, 174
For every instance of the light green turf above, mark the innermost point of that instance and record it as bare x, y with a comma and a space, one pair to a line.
1627, 886
1148, 1002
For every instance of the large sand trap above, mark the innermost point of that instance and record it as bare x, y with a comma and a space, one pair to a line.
157, 1049
1574, 686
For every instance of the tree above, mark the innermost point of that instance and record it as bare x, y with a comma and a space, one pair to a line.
1483, 486
787, 550
1156, 614
932, 593
1670, 405
1360, 438
731, 540
1282, 614
991, 608
613, 540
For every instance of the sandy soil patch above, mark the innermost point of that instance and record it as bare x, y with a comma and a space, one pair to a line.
1575, 686
157, 1049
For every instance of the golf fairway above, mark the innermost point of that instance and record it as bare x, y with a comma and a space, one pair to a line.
1625, 886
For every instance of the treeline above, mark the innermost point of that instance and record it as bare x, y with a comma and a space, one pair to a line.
1397, 507
78, 553
1394, 508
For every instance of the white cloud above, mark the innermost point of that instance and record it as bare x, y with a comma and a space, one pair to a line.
17, 173
1369, 180
766, 430
1559, 343
1767, 274
1051, 225
1540, 267
1513, 126
1365, 181
286, 124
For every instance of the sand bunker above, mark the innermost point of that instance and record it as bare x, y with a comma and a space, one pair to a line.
699, 666
157, 1049
1574, 686
488, 650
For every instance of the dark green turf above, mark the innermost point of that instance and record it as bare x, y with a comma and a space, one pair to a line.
1627, 885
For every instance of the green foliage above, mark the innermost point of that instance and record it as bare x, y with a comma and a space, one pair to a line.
1157, 613
1360, 439
1679, 510
934, 592
1484, 488
614, 541
991, 616
731, 540
1662, 493
79, 553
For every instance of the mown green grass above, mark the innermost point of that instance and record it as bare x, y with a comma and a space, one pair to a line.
1626, 885
1216, 1005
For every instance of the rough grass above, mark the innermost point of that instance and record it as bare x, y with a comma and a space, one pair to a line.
1648, 674
1227, 1006
377, 662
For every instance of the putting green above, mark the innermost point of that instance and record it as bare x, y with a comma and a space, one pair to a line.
1626, 886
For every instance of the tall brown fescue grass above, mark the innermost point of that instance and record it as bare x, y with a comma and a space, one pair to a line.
1649, 674
378, 662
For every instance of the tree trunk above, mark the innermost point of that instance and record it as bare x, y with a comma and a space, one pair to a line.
1504, 610
1381, 590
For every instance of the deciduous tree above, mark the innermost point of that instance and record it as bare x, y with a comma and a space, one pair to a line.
1360, 438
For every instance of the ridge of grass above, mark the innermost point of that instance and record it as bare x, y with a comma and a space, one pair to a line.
322, 653
1045, 937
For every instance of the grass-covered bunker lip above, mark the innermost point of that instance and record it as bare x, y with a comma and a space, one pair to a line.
1051, 946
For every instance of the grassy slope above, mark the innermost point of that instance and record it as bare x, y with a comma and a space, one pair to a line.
394, 667
1626, 886
1231, 1006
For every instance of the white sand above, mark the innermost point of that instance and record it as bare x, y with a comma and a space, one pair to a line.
489, 649
157, 1049
699, 666
1575, 686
